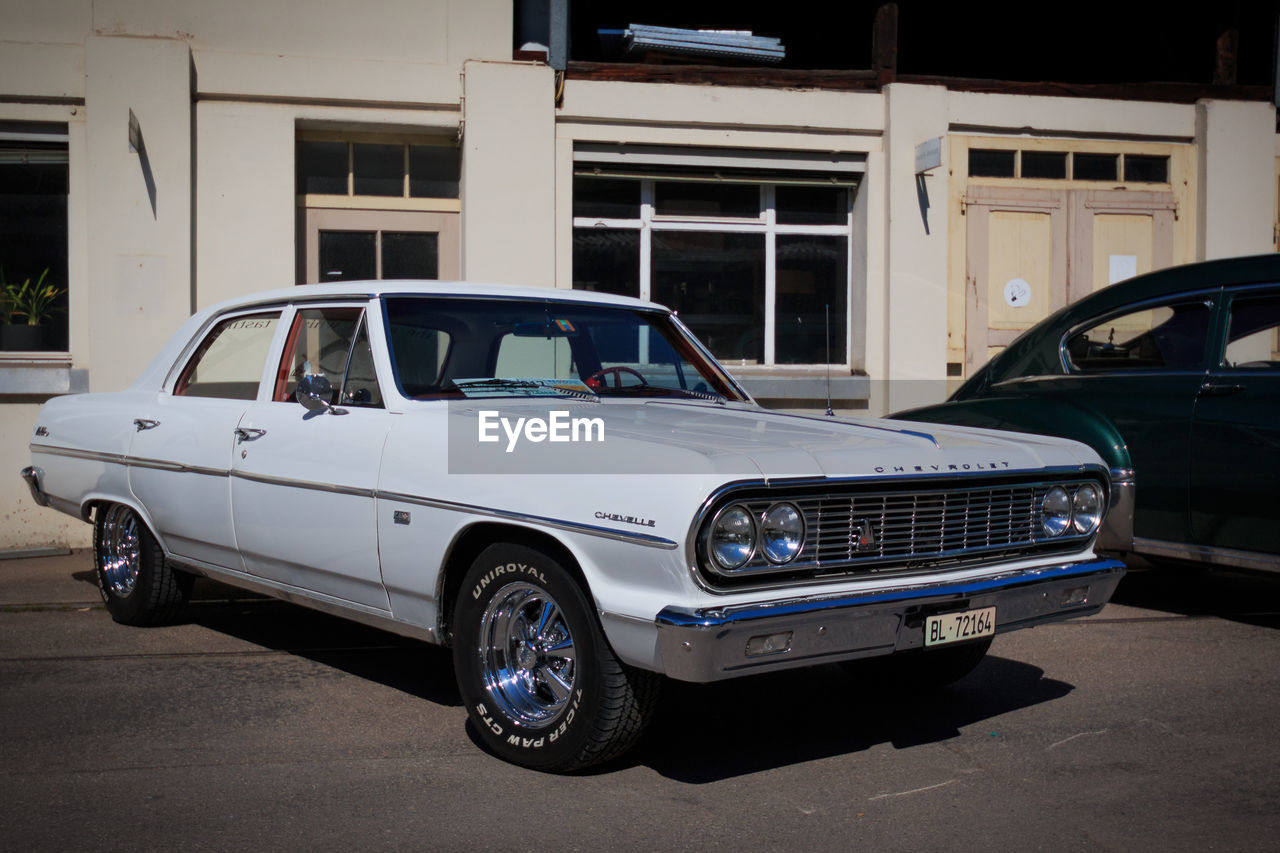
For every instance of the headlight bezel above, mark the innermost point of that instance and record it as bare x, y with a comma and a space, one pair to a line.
710, 545
799, 537
1072, 516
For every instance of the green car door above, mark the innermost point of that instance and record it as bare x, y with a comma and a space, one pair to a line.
1235, 440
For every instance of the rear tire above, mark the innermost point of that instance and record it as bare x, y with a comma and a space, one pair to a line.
136, 582
540, 683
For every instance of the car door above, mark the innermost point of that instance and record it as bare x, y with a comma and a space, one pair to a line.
180, 453
1141, 368
1235, 461
303, 490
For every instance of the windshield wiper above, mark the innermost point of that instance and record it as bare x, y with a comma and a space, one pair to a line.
661, 391
523, 388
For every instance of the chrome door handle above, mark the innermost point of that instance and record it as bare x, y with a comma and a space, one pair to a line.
1209, 389
248, 434
145, 423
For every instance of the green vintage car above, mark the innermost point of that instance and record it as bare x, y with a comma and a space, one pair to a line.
1174, 378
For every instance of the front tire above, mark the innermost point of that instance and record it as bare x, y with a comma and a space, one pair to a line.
137, 583
540, 683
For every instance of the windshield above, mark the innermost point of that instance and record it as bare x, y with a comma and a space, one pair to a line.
444, 348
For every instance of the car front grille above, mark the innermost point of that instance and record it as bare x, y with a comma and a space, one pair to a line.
881, 530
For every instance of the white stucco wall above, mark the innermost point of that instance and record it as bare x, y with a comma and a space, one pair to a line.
139, 276
916, 233
1235, 141
508, 174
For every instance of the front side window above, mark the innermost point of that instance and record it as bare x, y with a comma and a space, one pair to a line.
333, 343
1166, 337
229, 361
758, 270
1253, 336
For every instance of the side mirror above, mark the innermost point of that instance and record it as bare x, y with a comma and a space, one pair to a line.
314, 393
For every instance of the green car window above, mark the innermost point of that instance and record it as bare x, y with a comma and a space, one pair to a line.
1164, 337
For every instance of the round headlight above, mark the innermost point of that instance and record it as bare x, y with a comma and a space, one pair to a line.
781, 533
1086, 508
733, 538
1055, 512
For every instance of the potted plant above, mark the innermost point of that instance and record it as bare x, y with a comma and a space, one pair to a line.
26, 308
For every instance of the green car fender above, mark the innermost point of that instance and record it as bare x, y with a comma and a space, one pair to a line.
1042, 417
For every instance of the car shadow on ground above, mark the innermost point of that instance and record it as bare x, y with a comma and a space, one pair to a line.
1189, 590
710, 732
701, 732
402, 663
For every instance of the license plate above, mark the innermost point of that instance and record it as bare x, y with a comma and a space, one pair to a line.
954, 627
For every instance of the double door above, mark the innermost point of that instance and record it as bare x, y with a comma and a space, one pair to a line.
1029, 252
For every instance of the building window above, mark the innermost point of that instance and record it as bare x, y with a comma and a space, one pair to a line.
757, 266
1111, 167
33, 237
377, 206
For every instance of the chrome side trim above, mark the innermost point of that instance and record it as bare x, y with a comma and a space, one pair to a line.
1208, 554
559, 524
117, 458
452, 506
311, 485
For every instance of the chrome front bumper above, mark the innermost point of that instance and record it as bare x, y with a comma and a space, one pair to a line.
1116, 535
718, 643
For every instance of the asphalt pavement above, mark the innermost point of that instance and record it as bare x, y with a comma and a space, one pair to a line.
257, 725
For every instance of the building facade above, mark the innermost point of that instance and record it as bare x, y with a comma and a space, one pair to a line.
879, 239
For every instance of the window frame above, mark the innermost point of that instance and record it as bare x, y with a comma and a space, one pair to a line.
282, 362
648, 221
190, 356
57, 132
1208, 298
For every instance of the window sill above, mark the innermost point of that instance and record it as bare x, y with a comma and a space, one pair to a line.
811, 386
34, 380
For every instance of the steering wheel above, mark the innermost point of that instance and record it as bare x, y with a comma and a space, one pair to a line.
597, 380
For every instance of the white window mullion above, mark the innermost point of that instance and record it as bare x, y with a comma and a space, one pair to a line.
646, 238
770, 273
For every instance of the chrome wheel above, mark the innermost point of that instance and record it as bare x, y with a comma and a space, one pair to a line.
526, 654
121, 550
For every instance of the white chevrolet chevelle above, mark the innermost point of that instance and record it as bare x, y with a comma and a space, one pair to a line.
569, 490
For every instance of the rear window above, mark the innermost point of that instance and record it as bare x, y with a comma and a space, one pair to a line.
1165, 337
229, 361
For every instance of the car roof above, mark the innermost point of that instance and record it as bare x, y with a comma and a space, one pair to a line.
1036, 351
153, 375
369, 289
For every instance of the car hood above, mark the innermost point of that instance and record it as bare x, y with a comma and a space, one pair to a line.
679, 437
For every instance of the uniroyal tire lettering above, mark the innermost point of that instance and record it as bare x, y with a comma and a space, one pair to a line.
507, 568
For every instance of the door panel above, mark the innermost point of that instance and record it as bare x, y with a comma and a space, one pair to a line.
1236, 435
1117, 234
302, 499
180, 475
1016, 265
1122, 247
